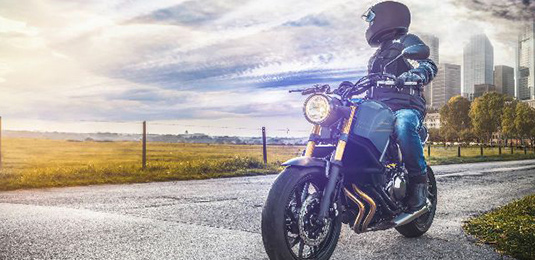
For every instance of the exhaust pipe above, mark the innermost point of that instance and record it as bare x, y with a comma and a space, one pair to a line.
405, 218
371, 212
361, 212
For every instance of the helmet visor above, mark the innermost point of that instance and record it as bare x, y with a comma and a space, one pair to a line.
368, 16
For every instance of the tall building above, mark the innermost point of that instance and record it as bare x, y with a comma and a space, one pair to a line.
478, 64
446, 84
525, 63
433, 43
504, 80
481, 89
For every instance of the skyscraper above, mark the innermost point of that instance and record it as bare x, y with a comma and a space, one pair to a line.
478, 64
446, 84
525, 63
481, 89
504, 80
433, 43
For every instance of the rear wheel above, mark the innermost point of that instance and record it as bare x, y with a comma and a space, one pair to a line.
289, 226
420, 225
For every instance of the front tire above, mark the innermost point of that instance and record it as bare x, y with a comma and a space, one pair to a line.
420, 225
282, 229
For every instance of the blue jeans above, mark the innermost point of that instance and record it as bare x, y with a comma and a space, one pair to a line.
408, 123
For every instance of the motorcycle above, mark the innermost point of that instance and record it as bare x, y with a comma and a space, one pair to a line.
351, 172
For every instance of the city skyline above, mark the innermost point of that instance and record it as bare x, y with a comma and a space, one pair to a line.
434, 54
478, 64
504, 80
446, 84
525, 63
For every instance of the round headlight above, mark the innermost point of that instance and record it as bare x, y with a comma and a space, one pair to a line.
317, 109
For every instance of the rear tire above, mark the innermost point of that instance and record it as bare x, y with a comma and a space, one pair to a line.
275, 227
420, 225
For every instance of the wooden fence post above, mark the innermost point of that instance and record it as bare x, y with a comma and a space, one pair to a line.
264, 149
499, 150
429, 150
525, 149
511, 145
481, 150
459, 151
144, 153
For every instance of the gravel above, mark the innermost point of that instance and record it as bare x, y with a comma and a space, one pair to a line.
220, 219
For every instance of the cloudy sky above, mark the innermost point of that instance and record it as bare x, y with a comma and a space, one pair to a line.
213, 66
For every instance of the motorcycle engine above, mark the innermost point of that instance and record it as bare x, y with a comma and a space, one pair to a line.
396, 186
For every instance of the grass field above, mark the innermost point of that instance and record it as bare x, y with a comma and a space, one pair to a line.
510, 229
32, 163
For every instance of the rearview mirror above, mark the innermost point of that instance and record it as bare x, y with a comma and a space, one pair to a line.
416, 52
413, 52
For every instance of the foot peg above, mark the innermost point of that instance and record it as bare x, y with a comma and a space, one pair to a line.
405, 218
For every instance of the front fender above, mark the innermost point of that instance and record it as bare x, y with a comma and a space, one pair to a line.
304, 161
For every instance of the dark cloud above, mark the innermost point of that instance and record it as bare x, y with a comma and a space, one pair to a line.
516, 10
227, 64
192, 13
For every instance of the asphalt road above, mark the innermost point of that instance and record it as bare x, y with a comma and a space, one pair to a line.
220, 219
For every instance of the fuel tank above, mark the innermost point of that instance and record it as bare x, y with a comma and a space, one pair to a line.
373, 127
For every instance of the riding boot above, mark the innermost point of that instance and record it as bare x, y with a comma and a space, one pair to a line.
417, 193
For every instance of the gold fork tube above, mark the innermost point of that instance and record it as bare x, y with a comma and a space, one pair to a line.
373, 207
341, 147
361, 212
316, 130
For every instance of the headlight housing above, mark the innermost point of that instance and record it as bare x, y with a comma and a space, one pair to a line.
320, 109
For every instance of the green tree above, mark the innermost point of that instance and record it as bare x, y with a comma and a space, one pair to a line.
508, 120
454, 118
467, 135
434, 135
532, 136
524, 120
486, 114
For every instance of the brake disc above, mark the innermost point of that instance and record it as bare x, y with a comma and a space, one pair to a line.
312, 233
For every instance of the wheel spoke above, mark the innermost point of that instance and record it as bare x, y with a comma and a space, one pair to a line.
298, 201
301, 247
295, 240
304, 193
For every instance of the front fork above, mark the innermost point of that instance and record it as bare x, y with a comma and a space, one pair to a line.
334, 165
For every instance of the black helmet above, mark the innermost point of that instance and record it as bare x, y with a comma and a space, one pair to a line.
387, 20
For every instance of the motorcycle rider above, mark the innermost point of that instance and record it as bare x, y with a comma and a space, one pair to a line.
388, 25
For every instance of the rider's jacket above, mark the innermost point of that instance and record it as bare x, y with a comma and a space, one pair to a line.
401, 97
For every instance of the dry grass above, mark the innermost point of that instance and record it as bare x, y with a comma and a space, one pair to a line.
33, 163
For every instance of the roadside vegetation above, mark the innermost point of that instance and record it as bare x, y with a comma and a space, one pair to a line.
38, 163
510, 229
491, 118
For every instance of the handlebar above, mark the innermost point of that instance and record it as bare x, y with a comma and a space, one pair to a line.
314, 89
347, 89
393, 83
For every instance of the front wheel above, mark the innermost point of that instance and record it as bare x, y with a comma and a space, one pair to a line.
420, 225
289, 226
